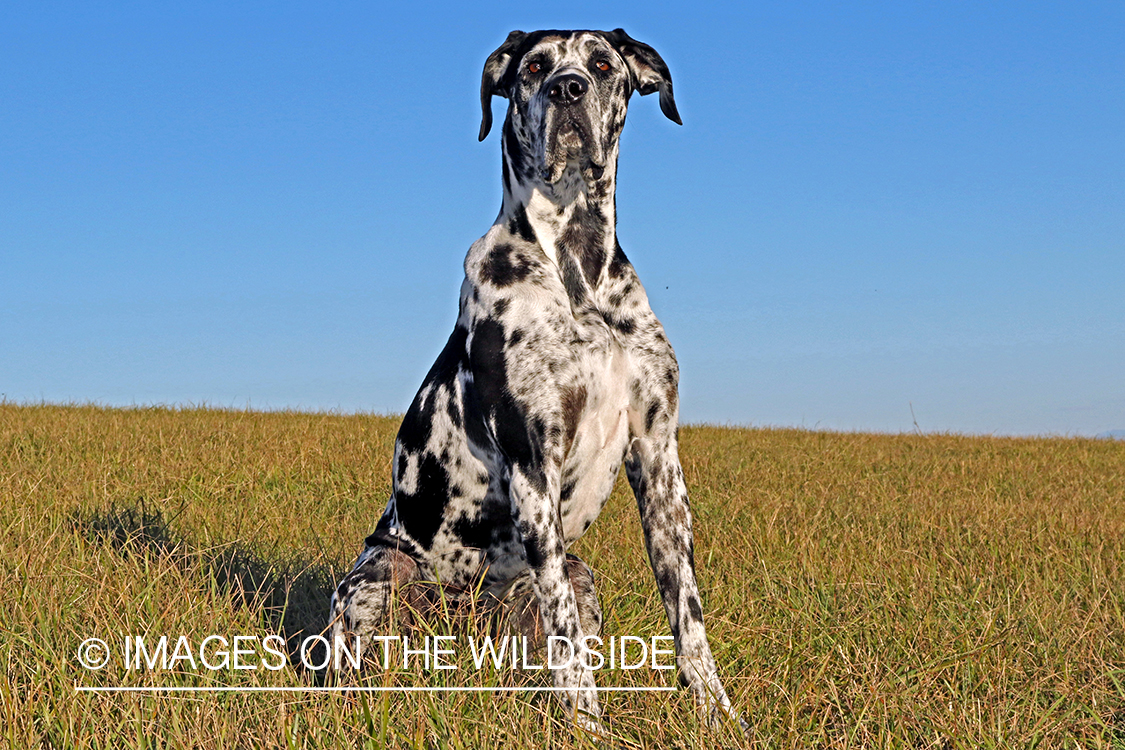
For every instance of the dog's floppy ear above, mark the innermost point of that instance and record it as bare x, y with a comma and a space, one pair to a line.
495, 68
649, 71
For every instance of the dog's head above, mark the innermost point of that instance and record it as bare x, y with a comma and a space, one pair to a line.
569, 91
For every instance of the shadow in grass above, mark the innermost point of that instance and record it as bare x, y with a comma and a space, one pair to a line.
290, 593
1117, 725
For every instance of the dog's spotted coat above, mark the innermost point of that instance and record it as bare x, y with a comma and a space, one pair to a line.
556, 373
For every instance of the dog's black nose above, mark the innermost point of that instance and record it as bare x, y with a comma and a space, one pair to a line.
567, 89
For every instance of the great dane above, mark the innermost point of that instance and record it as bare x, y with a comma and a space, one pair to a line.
556, 373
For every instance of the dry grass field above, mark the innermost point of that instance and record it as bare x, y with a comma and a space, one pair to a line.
860, 590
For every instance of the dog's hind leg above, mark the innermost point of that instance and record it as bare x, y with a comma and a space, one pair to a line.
513, 605
366, 596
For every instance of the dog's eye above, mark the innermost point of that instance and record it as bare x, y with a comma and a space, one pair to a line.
533, 67
602, 65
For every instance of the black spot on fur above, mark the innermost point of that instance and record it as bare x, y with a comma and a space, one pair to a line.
537, 429
572, 280
490, 400
581, 252
568, 489
515, 337
476, 424
414, 433
538, 435
534, 549
650, 417
619, 265
369, 574
489, 367
454, 412
500, 307
504, 267
535, 474
668, 581
514, 151
625, 326
592, 261
382, 537
421, 512
584, 239
504, 535
573, 403
474, 532
694, 609
521, 227
372, 540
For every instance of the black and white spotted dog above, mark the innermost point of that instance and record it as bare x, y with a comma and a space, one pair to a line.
557, 372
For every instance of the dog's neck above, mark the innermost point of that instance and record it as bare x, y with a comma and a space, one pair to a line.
573, 220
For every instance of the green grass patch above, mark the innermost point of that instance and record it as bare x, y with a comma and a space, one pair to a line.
859, 590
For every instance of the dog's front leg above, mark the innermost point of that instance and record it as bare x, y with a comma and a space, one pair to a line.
654, 472
535, 498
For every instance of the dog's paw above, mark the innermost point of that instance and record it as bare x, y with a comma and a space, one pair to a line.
728, 716
712, 698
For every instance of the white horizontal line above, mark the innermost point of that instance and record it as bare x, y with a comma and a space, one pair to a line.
357, 689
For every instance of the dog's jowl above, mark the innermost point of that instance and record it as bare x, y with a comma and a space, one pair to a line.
556, 373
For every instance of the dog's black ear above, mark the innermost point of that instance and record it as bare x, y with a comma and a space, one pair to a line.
495, 69
649, 71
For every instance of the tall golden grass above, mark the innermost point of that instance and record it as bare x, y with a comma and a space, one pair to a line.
860, 590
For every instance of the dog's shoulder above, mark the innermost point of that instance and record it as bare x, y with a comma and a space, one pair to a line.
512, 288
624, 304
507, 256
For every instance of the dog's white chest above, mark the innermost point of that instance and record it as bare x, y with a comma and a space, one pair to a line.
596, 453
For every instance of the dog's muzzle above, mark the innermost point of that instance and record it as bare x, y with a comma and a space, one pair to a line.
569, 128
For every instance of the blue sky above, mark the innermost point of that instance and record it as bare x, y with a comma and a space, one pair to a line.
870, 206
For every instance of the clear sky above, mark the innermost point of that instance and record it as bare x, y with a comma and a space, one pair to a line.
870, 207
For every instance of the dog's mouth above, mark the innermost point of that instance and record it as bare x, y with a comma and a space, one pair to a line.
570, 143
